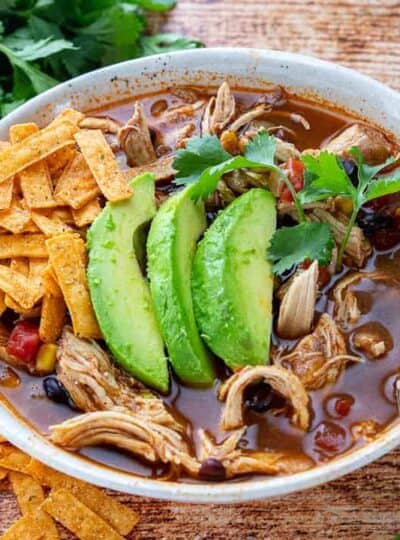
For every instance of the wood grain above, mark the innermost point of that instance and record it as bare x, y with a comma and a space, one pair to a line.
364, 35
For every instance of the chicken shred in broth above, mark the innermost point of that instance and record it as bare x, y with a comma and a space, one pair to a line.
333, 380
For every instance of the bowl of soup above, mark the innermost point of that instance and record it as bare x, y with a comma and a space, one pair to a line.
199, 277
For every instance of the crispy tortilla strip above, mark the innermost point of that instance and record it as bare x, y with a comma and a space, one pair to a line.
15, 219
59, 160
77, 185
49, 225
36, 526
6, 188
3, 473
162, 169
3, 305
36, 269
28, 491
68, 258
35, 180
20, 265
87, 214
15, 460
35, 148
77, 517
52, 318
23, 245
68, 115
50, 282
17, 286
121, 518
102, 163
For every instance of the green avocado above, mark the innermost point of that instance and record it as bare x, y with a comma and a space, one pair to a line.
119, 292
232, 283
171, 246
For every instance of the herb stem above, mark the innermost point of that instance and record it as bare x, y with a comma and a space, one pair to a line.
346, 238
297, 203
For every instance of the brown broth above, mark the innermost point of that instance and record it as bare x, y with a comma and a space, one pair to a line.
368, 384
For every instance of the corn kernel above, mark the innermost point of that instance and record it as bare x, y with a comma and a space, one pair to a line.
46, 358
344, 205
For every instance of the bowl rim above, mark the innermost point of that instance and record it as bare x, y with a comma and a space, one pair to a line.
18, 431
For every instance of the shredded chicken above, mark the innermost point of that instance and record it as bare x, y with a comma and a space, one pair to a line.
319, 358
358, 247
280, 379
162, 169
371, 142
296, 313
219, 111
106, 124
95, 383
238, 462
134, 138
246, 119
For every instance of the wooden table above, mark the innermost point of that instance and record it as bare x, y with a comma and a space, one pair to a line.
365, 505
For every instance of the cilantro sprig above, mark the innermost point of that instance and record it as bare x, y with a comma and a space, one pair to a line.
43, 42
326, 177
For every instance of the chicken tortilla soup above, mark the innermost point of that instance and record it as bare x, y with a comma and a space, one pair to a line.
202, 283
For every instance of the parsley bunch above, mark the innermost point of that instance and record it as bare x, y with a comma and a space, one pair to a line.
43, 42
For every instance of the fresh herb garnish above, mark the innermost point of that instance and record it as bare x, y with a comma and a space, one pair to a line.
326, 177
43, 42
291, 246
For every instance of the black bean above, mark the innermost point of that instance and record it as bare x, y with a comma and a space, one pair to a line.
371, 223
56, 391
213, 470
351, 169
258, 397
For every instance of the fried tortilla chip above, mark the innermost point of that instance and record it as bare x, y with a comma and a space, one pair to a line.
35, 148
50, 282
17, 286
121, 518
6, 188
68, 258
15, 219
102, 163
23, 245
77, 185
77, 517
15, 460
68, 115
35, 526
87, 214
49, 225
57, 161
28, 491
20, 265
35, 180
52, 318
36, 269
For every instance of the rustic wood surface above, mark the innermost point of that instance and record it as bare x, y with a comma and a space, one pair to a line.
364, 505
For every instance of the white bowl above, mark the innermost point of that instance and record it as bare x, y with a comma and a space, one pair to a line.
241, 67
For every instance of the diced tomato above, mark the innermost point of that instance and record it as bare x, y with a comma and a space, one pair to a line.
330, 437
343, 406
24, 341
295, 171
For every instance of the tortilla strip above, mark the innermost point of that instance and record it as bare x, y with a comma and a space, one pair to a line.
28, 491
35, 180
76, 186
36, 526
15, 219
23, 245
68, 258
77, 517
20, 265
87, 214
102, 163
17, 286
6, 188
35, 148
15, 460
36, 269
162, 170
67, 115
49, 225
3, 474
59, 160
52, 318
121, 518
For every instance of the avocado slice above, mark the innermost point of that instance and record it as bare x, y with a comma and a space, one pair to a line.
171, 246
119, 292
232, 282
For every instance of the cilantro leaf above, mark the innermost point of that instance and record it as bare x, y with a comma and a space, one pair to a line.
291, 246
34, 50
161, 43
261, 149
382, 187
367, 172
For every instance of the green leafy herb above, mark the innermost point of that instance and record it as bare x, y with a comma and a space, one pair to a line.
43, 42
291, 246
327, 178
